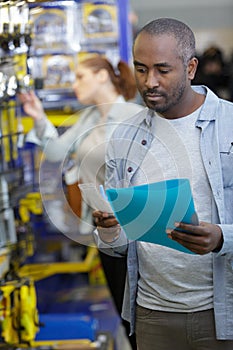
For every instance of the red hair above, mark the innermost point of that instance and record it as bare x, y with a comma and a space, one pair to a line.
121, 76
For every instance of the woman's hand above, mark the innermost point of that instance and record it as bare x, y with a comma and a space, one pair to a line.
32, 105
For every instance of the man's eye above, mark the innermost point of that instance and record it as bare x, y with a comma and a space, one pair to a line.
140, 70
164, 71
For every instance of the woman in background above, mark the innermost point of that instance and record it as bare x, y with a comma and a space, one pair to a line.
106, 90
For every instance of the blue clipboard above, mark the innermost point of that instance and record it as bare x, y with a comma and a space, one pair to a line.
146, 211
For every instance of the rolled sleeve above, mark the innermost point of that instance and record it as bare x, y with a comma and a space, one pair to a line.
118, 247
227, 247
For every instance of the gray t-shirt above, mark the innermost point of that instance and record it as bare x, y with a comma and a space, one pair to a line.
171, 280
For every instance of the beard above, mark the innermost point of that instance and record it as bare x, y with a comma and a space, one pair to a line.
168, 100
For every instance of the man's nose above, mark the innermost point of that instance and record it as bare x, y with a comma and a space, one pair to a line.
152, 80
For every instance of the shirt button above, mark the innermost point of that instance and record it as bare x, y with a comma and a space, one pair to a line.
130, 169
144, 142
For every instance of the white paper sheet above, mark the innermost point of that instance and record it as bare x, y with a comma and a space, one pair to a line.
91, 195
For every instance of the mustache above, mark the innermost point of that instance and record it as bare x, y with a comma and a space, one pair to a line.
151, 91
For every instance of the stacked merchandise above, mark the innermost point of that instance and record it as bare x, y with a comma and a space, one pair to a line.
64, 32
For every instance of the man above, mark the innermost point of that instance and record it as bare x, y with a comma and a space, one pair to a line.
176, 300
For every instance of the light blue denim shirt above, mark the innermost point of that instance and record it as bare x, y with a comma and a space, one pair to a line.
126, 151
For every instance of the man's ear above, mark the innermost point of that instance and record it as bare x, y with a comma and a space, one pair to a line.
192, 67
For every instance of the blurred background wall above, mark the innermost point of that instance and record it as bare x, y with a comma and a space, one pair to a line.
211, 20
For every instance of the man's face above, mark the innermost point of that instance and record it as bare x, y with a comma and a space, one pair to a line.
161, 76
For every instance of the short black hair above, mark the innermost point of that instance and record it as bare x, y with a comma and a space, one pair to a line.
180, 31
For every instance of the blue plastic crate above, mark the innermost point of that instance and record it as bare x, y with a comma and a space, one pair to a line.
67, 327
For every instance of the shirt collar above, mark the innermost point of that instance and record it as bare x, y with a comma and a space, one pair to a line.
149, 114
210, 105
208, 111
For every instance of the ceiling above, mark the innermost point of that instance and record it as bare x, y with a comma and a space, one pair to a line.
211, 20
201, 14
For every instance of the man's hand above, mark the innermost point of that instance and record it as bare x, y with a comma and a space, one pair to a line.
109, 228
201, 239
103, 219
